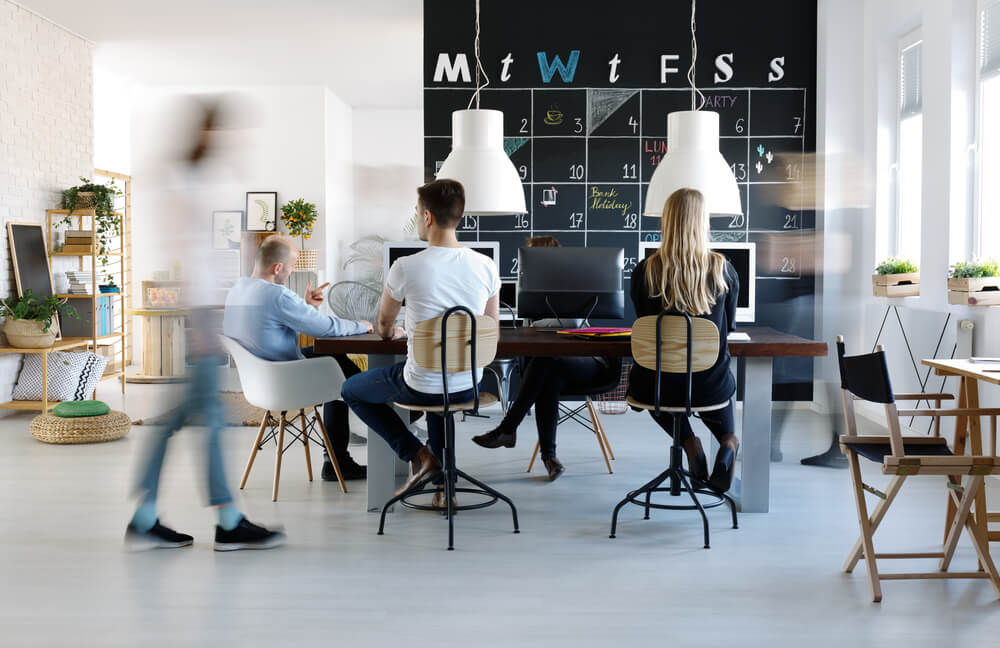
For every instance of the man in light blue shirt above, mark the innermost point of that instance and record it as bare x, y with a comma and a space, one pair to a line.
266, 317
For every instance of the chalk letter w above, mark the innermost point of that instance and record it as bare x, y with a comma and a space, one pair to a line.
567, 71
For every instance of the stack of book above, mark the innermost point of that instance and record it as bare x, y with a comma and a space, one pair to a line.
78, 242
80, 282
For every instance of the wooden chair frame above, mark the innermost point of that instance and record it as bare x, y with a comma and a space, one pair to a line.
901, 465
565, 414
273, 428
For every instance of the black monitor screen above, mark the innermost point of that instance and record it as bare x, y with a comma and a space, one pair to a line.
740, 258
508, 294
570, 282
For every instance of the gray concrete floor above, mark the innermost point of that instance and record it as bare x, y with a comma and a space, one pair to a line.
64, 579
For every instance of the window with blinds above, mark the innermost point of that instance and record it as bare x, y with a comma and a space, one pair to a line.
987, 229
909, 151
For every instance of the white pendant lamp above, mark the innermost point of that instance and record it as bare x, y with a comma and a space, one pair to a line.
693, 160
478, 160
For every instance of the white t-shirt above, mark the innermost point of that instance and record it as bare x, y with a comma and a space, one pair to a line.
431, 282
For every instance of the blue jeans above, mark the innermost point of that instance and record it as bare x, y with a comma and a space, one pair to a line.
201, 398
370, 393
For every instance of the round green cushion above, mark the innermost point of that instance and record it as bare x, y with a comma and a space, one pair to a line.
73, 409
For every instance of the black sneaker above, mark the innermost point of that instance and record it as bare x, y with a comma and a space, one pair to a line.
247, 535
348, 467
158, 537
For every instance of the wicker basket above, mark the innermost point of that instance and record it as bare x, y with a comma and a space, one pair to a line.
49, 428
308, 260
613, 402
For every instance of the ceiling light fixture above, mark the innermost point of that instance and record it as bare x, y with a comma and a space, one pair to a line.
477, 158
693, 159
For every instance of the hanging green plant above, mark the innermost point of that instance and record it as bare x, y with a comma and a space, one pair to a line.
299, 217
100, 198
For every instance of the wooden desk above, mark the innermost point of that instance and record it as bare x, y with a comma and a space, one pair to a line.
752, 487
45, 404
967, 428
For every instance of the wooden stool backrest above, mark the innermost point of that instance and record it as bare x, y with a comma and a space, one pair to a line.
427, 339
673, 343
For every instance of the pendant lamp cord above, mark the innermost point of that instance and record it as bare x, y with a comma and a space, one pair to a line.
694, 59
480, 70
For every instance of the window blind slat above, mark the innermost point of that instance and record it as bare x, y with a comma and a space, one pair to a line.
910, 95
989, 49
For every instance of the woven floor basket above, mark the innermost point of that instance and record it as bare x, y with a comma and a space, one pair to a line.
85, 429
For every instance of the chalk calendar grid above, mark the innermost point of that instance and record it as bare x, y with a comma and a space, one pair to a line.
585, 157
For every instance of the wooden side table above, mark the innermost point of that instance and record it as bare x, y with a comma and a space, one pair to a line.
45, 404
163, 347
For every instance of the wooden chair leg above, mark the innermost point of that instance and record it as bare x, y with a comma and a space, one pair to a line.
534, 455
253, 451
964, 507
866, 530
329, 450
876, 519
599, 425
277, 457
305, 443
958, 447
596, 422
981, 543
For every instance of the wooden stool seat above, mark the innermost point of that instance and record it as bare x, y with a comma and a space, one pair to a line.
485, 398
664, 408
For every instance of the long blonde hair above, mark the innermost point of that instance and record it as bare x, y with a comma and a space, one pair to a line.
684, 273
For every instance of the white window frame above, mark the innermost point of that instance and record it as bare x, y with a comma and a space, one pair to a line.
908, 41
977, 201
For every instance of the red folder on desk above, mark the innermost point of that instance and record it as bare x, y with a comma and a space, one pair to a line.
598, 331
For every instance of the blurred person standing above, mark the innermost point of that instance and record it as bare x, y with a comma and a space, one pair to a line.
182, 236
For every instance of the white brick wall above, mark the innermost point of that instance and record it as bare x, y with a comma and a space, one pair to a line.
46, 128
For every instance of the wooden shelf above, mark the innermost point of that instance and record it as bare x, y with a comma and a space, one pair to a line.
27, 405
109, 336
79, 296
76, 212
77, 254
60, 345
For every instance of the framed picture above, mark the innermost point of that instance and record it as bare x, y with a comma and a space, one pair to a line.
227, 226
262, 211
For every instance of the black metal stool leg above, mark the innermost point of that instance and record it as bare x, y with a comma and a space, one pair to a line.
694, 498
652, 483
492, 491
385, 507
449, 477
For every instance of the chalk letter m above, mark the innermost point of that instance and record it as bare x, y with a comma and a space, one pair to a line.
452, 70
567, 71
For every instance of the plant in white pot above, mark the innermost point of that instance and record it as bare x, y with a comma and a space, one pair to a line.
30, 320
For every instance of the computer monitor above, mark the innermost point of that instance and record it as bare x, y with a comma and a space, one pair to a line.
392, 250
508, 301
743, 256
570, 282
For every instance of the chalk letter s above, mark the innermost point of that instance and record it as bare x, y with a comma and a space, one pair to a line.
452, 70
723, 63
777, 69
566, 70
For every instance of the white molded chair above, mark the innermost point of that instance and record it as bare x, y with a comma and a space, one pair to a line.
291, 386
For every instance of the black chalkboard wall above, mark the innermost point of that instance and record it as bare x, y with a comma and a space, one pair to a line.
585, 88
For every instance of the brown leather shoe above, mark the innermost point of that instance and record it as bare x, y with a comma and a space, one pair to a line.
554, 466
496, 439
421, 465
438, 499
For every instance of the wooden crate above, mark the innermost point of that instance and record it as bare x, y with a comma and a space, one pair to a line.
979, 291
896, 285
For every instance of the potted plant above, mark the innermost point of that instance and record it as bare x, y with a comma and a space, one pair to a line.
299, 217
974, 283
30, 320
101, 199
896, 278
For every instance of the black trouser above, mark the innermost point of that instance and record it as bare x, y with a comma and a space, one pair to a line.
542, 382
719, 422
335, 413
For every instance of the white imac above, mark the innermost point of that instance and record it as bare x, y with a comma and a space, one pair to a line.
392, 250
743, 256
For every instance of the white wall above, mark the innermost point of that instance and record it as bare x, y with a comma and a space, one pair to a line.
388, 168
339, 216
46, 128
112, 122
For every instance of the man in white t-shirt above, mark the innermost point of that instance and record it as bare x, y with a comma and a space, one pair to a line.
432, 281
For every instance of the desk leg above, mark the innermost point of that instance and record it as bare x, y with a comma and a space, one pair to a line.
958, 447
383, 465
754, 491
976, 446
